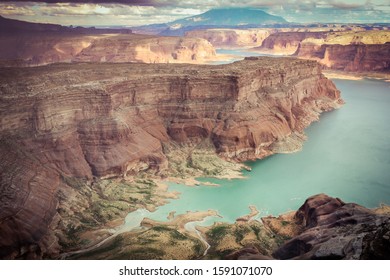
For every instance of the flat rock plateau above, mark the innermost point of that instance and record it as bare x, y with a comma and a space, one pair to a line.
32, 44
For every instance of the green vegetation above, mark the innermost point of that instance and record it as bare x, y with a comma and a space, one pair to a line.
198, 248
177, 235
285, 223
197, 160
227, 238
240, 232
103, 250
73, 182
161, 228
144, 253
87, 206
256, 229
218, 232
161, 242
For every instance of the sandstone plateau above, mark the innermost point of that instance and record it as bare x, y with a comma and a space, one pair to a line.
31, 49
335, 47
98, 120
33, 44
355, 51
287, 43
276, 38
232, 38
350, 51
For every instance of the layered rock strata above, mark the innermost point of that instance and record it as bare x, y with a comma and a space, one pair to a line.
232, 38
353, 58
25, 49
287, 43
333, 229
353, 51
91, 120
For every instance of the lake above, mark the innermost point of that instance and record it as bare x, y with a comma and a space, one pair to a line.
347, 155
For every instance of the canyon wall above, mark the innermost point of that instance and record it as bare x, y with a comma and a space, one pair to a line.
350, 51
89, 120
355, 51
284, 40
286, 43
25, 49
354, 57
232, 38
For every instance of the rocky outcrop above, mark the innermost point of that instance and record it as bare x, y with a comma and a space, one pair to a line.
90, 120
32, 50
363, 51
268, 40
147, 49
232, 38
353, 57
286, 43
354, 51
333, 229
28, 202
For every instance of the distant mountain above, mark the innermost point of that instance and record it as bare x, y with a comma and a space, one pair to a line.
12, 26
230, 17
227, 17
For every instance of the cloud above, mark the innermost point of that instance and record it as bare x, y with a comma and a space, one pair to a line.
348, 5
127, 2
13, 10
341, 4
140, 12
94, 14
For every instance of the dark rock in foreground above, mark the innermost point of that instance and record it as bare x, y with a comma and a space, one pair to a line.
337, 230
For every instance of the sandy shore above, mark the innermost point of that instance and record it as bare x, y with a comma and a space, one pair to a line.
187, 181
356, 76
253, 213
181, 220
193, 182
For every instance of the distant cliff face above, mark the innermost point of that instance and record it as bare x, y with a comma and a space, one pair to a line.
356, 51
286, 43
354, 57
232, 38
96, 120
45, 48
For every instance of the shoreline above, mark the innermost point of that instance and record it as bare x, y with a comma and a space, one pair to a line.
354, 76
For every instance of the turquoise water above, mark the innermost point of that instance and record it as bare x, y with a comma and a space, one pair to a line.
347, 155
239, 54
243, 53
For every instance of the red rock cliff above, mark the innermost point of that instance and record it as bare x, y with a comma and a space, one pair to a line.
230, 38
356, 51
45, 48
84, 120
354, 57
287, 43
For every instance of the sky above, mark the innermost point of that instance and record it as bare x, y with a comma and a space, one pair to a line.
142, 12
